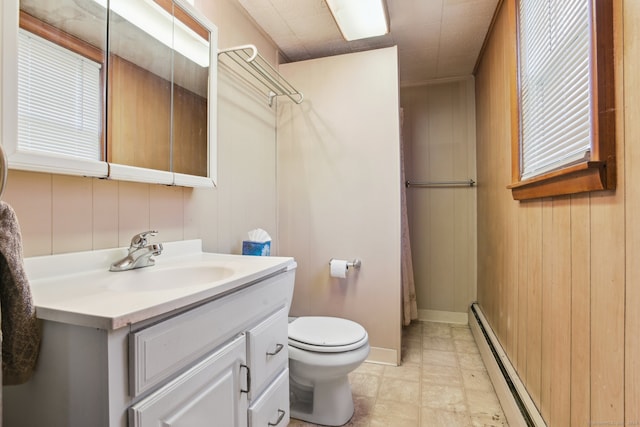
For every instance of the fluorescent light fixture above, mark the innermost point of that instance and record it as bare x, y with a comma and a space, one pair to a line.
151, 18
359, 19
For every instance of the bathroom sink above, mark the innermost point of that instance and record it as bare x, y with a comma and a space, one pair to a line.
158, 279
78, 288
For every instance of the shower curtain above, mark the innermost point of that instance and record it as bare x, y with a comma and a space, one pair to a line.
409, 304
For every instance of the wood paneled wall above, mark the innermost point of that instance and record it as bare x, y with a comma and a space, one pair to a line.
139, 122
558, 277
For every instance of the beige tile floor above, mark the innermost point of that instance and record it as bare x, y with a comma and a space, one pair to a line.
441, 382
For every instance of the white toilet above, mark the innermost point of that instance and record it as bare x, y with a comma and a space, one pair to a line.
322, 352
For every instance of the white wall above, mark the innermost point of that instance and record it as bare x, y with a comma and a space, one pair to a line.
339, 190
439, 141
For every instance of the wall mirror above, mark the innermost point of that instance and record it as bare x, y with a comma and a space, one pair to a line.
122, 89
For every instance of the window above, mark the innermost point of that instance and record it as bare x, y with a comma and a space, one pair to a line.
565, 98
59, 105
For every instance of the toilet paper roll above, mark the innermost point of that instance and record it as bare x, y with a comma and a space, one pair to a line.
339, 268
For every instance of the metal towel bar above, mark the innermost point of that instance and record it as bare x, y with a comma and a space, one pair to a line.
426, 184
248, 58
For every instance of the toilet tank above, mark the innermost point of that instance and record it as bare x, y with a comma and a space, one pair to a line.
290, 277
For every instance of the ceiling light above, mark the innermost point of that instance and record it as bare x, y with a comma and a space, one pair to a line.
159, 24
360, 19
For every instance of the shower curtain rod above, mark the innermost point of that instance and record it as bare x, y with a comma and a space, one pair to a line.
426, 184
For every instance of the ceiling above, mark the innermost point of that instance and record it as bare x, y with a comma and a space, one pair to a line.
435, 38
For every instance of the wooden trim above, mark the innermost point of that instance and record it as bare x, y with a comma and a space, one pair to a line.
488, 35
580, 178
603, 81
190, 22
599, 173
514, 90
57, 36
184, 17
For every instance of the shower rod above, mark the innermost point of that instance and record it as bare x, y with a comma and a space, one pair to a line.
426, 184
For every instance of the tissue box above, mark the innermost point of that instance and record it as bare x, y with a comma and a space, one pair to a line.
256, 248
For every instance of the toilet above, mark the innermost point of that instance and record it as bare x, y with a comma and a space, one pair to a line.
322, 353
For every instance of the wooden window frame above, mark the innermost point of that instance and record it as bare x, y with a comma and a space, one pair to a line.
597, 173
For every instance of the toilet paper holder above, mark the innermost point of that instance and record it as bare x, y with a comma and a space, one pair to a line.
356, 263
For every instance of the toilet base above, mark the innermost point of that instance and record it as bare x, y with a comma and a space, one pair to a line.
328, 403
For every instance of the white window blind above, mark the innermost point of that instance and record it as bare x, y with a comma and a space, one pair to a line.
59, 108
555, 96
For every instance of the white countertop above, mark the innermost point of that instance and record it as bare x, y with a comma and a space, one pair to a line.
79, 289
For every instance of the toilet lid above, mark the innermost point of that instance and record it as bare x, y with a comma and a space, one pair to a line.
327, 334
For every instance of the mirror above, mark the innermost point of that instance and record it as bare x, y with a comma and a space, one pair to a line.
158, 82
125, 90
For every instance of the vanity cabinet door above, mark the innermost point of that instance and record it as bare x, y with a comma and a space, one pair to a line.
208, 394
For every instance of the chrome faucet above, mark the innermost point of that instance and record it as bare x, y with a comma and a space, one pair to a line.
140, 253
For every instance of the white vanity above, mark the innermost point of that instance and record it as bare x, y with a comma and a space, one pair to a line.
197, 339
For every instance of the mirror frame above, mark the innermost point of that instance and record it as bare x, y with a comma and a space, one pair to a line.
52, 163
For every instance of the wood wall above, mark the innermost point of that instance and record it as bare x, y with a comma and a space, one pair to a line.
139, 122
558, 278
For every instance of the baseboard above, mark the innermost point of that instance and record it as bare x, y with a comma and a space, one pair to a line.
516, 403
443, 316
383, 356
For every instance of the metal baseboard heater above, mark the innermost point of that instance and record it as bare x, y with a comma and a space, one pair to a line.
516, 403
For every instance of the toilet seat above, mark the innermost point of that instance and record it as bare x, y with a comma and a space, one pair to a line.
326, 334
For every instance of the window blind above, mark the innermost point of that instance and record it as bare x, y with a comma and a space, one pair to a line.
555, 97
59, 107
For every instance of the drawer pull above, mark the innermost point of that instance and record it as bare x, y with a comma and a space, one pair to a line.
281, 414
278, 349
248, 376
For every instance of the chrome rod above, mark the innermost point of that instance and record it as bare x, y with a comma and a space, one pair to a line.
249, 60
435, 184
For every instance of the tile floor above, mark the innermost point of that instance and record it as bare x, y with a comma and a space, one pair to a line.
441, 382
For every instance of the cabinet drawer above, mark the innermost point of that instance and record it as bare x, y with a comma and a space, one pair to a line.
272, 407
267, 350
161, 351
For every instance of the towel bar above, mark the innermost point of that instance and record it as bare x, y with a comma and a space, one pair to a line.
248, 59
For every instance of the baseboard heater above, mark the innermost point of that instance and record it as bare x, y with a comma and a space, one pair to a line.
516, 403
